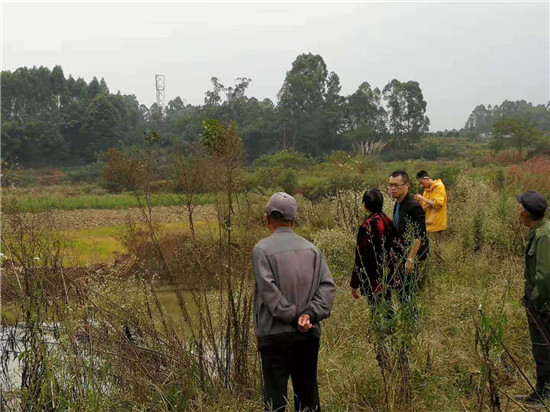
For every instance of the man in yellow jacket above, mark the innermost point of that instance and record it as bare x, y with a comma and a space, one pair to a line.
434, 202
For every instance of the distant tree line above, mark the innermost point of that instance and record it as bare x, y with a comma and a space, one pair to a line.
49, 118
482, 120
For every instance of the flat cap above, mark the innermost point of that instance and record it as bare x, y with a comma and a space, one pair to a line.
284, 204
533, 202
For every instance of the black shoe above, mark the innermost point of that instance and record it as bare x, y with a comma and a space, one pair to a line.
532, 397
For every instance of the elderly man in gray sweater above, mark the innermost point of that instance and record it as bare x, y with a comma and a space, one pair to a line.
294, 291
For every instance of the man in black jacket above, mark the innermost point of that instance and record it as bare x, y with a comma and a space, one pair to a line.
410, 220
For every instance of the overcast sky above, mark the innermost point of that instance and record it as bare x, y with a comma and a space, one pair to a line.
462, 53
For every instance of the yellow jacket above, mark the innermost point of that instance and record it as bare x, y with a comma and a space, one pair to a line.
436, 215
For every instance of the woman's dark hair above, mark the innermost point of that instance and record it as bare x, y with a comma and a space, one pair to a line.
373, 200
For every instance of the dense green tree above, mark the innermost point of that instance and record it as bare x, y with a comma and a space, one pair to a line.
480, 120
213, 97
94, 88
310, 106
174, 106
260, 128
44, 142
8, 97
516, 133
301, 98
365, 118
13, 138
34, 142
59, 86
27, 94
103, 86
100, 129
78, 88
256, 120
156, 118
227, 103
332, 119
406, 111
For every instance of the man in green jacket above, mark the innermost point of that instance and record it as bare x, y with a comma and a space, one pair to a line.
537, 288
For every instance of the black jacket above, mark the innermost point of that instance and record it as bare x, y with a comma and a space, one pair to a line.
412, 225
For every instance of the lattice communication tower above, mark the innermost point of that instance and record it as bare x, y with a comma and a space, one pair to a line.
159, 82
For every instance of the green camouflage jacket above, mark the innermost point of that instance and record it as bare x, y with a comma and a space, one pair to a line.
537, 265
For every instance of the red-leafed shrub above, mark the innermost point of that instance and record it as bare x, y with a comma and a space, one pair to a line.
533, 174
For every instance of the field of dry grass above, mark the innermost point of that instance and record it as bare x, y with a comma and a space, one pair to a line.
478, 265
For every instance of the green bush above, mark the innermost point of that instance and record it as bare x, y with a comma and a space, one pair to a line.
314, 188
254, 180
287, 159
288, 180
429, 149
277, 179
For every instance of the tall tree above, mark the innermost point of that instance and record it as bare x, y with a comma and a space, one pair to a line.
174, 106
43, 142
100, 128
332, 119
94, 88
256, 120
302, 100
227, 103
365, 118
406, 110
260, 127
509, 132
59, 86
480, 121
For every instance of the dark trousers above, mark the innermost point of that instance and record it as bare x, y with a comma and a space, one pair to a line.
298, 360
539, 329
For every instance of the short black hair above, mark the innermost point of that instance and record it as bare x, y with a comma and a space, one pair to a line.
373, 200
422, 174
536, 216
278, 216
401, 173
